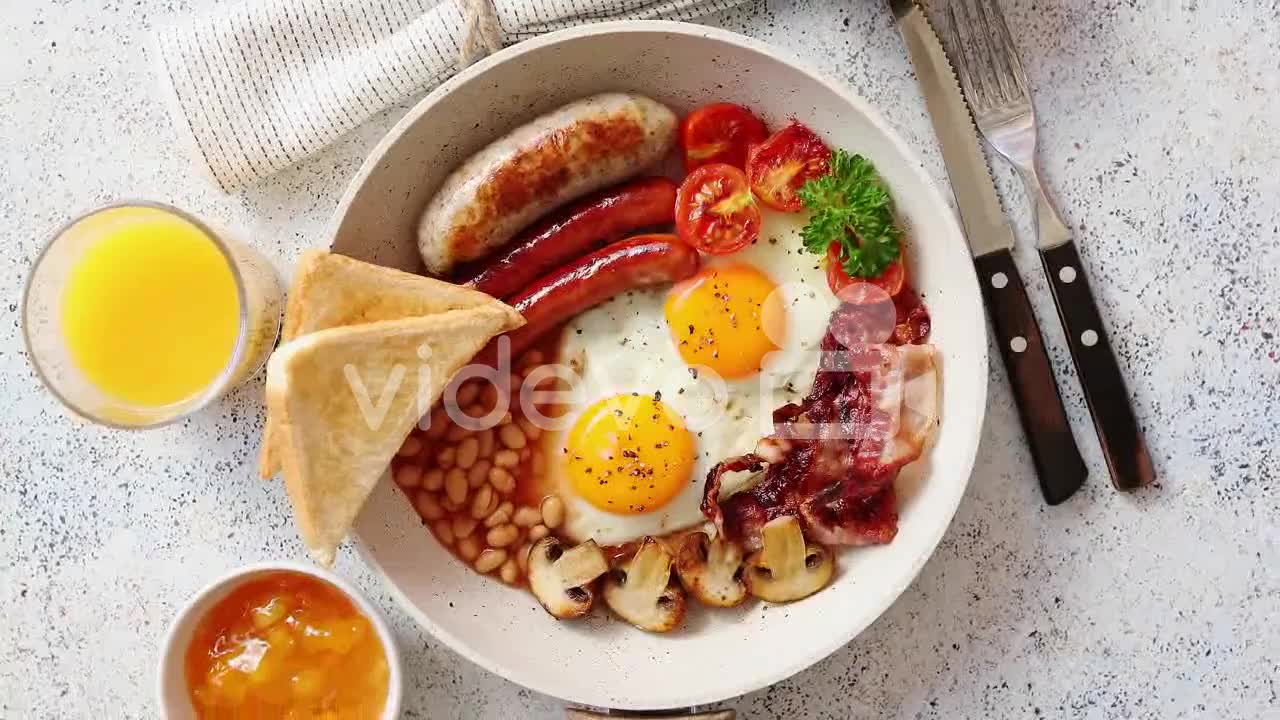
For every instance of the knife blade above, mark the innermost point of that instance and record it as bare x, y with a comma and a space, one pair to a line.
1058, 463
980, 210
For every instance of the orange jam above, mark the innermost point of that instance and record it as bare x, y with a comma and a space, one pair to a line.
289, 646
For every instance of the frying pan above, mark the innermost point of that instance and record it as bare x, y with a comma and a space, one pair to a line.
599, 661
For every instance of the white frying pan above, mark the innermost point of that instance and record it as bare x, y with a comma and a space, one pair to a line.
719, 654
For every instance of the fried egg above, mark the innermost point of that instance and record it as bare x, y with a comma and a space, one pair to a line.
670, 381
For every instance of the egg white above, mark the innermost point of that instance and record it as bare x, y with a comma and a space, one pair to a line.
625, 346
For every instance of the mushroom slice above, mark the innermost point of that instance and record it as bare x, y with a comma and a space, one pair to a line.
641, 591
787, 568
711, 570
561, 579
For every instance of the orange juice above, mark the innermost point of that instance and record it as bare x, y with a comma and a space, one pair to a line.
151, 309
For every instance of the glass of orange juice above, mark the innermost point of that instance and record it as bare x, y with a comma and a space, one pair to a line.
136, 315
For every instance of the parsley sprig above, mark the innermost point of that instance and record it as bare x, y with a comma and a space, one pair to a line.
851, 206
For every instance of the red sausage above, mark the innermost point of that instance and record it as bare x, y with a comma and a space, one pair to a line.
587, 224
612, 270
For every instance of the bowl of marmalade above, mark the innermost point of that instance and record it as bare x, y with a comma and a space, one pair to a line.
279, 640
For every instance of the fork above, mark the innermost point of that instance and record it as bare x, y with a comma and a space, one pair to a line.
995, 84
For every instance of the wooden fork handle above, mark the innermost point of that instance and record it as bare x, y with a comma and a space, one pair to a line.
1123, 445
1044, 420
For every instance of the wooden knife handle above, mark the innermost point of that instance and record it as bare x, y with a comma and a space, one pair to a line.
1053, 448
576, 714
1123, 445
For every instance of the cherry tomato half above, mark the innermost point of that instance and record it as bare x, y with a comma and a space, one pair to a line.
779, 166
891, 280
715, 212
720, 133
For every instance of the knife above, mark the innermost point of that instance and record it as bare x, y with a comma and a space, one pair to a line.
1044, 420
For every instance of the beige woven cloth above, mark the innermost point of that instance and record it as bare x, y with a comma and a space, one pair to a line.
258, 85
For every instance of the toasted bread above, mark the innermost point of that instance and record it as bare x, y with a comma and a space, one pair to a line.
345, 398
334, 291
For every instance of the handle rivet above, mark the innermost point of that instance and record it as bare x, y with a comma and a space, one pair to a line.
1067, 274
1018, 344
999, 281
1089, 338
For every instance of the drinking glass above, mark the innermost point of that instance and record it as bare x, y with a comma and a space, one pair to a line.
259, 297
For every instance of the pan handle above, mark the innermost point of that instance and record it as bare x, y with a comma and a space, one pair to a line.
579, 714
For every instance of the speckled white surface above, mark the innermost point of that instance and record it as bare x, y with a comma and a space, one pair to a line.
1161, 130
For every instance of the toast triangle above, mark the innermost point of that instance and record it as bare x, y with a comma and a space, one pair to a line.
346, 397
332, 290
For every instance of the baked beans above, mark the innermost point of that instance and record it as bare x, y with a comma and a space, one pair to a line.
466, 483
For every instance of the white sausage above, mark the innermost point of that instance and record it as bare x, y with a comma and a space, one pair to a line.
580, 148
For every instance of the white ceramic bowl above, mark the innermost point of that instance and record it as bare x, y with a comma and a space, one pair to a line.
724, 653
171, 686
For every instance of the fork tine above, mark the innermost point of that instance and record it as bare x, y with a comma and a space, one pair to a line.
960, 36
1008, 50
999, 55
988, 62
969, 68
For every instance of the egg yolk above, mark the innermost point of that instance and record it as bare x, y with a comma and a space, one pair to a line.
629, 454
727, 318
